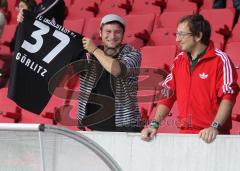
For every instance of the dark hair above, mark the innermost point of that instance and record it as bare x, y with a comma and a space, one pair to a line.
31, 4
197, 24
114, 22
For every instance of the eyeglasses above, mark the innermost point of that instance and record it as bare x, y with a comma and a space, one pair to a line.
181, 35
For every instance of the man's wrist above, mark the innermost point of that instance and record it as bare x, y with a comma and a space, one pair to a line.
216, 125
94, 50
154, 124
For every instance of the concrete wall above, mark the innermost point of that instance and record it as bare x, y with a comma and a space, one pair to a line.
170, 152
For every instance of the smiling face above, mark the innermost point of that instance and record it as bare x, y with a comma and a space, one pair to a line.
112, 35
184, 38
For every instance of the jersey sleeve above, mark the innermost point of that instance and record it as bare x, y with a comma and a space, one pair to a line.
227, 87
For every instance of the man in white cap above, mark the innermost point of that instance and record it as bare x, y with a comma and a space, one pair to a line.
108, 90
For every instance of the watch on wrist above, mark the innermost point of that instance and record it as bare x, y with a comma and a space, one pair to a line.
154, 124
216, 125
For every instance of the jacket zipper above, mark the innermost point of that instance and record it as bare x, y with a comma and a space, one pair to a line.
189, 115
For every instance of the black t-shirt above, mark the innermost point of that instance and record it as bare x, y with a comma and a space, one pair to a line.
41, 50
103, 87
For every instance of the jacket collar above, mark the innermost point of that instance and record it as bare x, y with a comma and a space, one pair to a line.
210, 52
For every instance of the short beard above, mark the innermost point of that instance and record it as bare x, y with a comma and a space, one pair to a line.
112, 51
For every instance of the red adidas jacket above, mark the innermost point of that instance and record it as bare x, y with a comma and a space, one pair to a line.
199, 93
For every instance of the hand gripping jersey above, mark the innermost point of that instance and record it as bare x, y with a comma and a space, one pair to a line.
42, 48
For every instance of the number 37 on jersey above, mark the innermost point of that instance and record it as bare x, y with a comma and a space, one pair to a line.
37, 35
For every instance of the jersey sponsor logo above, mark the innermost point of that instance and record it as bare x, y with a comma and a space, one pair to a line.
203, 76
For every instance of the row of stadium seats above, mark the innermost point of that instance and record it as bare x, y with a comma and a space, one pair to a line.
153, 30
91, 8
97, 8
57, 112
62, 111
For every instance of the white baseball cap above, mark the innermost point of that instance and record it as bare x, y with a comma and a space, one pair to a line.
112, 17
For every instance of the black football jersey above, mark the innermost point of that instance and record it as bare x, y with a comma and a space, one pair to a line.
42, 48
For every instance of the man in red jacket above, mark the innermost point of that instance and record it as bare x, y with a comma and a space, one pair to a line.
203, 80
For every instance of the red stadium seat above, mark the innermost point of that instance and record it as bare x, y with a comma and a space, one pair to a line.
60, 105
146, 99
218, 45
145, 7
75, 25
217, 38
138, 31
13, 19
67, 115
154, 58
163, 36
7, 36
207, 4
11, 5
83, 9
218, 18
5, 119
235, 128
226, 16
12, 9
157, 56
170, 19
232, 49
91, 30
30, 118
236, 117
53, 103
180, 5
14, 113
235, 37
112, 7
74, 13
79, 3
8, 108
67, 2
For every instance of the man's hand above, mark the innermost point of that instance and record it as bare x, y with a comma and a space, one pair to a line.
20, 16
148, 133
88, 45
208, 134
